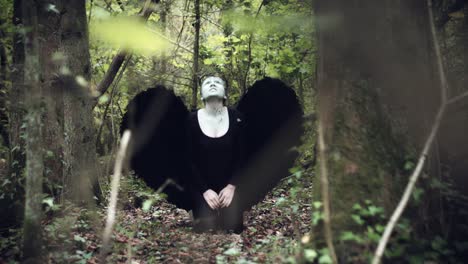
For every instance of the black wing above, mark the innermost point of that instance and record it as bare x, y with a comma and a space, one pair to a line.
274, 125
157, 119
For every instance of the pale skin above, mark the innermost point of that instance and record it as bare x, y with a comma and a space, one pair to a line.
214, 122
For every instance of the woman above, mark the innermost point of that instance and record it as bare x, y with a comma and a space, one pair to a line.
215, 153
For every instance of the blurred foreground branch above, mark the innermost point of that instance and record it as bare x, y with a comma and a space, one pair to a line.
325, 192
118, 60
113, 195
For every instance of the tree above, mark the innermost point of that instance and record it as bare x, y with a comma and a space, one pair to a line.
79, 152
32, 239
370, 80
196, 51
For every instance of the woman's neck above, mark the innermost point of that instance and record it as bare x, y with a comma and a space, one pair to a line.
214, 106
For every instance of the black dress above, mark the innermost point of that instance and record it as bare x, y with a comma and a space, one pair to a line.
215, 163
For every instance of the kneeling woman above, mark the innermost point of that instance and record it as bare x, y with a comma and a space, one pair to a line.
215, 135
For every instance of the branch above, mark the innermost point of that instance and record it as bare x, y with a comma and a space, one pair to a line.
325, 192
111, 210
121, 55
457, 98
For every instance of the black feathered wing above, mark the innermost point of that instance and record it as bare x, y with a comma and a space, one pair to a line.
273, 127
157, 119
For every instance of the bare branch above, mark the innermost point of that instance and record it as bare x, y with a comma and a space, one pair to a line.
325, 192
111, 210
457, 98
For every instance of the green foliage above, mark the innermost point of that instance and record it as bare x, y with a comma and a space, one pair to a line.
130, 34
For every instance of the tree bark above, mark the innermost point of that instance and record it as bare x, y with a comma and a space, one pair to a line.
374, 65
32, 239
196, 51
79, 153
3, 89
51, 61
16, 94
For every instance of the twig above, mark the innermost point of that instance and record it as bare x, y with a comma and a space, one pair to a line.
111, 210
325, 192
457, 98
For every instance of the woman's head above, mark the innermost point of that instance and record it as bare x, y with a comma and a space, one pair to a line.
213, 86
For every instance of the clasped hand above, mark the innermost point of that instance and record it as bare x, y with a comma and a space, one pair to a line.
222, 200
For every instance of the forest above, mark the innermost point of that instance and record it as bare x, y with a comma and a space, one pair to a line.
379, 174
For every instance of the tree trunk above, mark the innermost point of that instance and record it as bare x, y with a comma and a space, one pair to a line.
3, 89
376, 92
79, 153
51, 63
32, 240
16, 107
196, 47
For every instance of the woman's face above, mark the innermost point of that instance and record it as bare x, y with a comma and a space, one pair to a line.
212, 86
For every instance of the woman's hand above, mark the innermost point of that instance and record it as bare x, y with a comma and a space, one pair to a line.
212, 199
226, 195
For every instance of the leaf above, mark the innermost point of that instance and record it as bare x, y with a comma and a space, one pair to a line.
208, 61
79, 239
310, 255
147, 205
232, 252
49, 201
103, 99
130, 34
409, 165
350, 236
357, 219
417, 192
325, 259
317, 204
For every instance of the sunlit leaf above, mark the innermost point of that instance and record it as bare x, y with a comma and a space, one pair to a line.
232, 252
49, 201
130, 34
147, 205
310, 254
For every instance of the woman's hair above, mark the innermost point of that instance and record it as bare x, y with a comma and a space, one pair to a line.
204, 76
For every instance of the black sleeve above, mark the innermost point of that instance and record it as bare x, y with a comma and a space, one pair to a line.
239, 123
197, 182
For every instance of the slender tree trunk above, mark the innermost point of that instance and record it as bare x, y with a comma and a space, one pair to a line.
165, 9
3, 89
16, 94
196, 48
32, 240
79, 155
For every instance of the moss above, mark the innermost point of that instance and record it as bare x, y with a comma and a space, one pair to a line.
366, 154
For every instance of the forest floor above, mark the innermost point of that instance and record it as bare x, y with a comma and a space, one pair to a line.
163, 233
